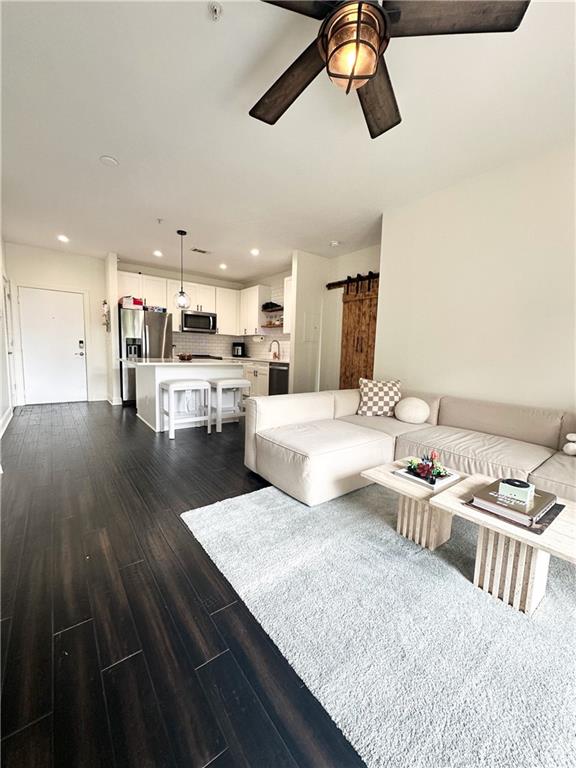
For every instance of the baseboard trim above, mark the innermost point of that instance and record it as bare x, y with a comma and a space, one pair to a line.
147, 423
6, 419
115, 401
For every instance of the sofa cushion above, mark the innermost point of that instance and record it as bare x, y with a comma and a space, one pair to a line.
346, 402
320, 460
518, 422
387, 424
557, 475
475, 452
378, 398
568, 427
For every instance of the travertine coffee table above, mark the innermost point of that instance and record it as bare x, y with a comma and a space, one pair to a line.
417, 520
511, 561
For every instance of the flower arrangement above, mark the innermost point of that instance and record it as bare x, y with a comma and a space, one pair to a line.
428, 467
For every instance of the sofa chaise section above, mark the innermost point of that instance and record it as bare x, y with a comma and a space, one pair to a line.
313, 446
320, 460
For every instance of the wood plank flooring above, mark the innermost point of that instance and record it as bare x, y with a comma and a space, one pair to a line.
122, 643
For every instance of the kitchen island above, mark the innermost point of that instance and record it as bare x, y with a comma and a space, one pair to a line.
151, 372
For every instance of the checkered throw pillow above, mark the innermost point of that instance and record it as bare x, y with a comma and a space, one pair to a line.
378, 398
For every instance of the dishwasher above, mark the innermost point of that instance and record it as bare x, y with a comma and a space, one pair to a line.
278, 379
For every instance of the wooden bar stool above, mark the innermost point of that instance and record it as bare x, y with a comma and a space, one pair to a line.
237, 409
173, 386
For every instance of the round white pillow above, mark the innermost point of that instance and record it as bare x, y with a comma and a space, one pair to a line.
570, 449
412, 410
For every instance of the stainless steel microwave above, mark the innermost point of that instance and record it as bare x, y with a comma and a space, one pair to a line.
198, 322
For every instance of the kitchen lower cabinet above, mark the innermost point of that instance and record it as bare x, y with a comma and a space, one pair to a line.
258, 376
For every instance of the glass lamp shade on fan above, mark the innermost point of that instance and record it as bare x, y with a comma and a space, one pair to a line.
352, 41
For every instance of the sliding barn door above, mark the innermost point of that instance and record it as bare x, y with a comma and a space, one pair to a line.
359, 312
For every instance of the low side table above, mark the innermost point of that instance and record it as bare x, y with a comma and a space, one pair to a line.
417, 520
511, 561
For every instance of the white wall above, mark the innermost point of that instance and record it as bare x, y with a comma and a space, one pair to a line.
112, 342
477, 286
5, 382
62, 270
276, 283
339, 268
309, 277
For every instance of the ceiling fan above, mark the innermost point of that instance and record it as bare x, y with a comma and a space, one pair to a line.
352, 40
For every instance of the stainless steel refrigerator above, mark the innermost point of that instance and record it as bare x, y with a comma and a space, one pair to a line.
142, 335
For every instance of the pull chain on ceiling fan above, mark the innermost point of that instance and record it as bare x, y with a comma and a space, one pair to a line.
352, 40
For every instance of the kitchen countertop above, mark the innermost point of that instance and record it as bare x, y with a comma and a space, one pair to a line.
171, 362
255, 360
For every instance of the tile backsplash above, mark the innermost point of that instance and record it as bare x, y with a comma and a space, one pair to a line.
257, 348
220, 345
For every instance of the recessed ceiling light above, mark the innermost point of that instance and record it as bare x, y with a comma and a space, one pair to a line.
334, 243
223, 266
255, 252
159, 254
109, 160
63, 239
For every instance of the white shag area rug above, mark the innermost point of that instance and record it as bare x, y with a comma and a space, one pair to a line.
415, 665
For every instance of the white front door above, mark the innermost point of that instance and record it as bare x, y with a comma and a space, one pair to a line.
53, 345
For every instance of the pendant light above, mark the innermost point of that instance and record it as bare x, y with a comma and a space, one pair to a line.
181, 298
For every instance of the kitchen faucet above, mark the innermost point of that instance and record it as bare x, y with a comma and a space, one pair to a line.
275, 355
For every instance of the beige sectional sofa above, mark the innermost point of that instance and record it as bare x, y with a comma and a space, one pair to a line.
313, 446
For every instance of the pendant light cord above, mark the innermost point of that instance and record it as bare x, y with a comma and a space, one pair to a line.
182, 234
181, 263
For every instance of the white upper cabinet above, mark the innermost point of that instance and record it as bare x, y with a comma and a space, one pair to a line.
203, 298
288, 302
251, 300
154, 291
160, 292
227, 311
129, 284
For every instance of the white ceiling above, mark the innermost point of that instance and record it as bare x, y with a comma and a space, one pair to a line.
167, 91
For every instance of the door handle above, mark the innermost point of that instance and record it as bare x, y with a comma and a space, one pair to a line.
79, 354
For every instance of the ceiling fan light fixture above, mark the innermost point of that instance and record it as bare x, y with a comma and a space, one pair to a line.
352, 39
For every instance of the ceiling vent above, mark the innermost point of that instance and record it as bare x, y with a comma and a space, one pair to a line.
200, 250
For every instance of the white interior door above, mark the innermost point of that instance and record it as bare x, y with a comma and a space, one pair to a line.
53, 345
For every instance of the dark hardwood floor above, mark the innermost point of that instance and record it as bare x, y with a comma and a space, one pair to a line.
122, 644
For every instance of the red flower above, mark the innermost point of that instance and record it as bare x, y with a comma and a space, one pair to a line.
434, 455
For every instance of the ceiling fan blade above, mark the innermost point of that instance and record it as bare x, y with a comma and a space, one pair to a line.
317, 9
289, 85
379, 103
453, 17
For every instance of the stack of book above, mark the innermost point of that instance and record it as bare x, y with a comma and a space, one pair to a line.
490, 499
